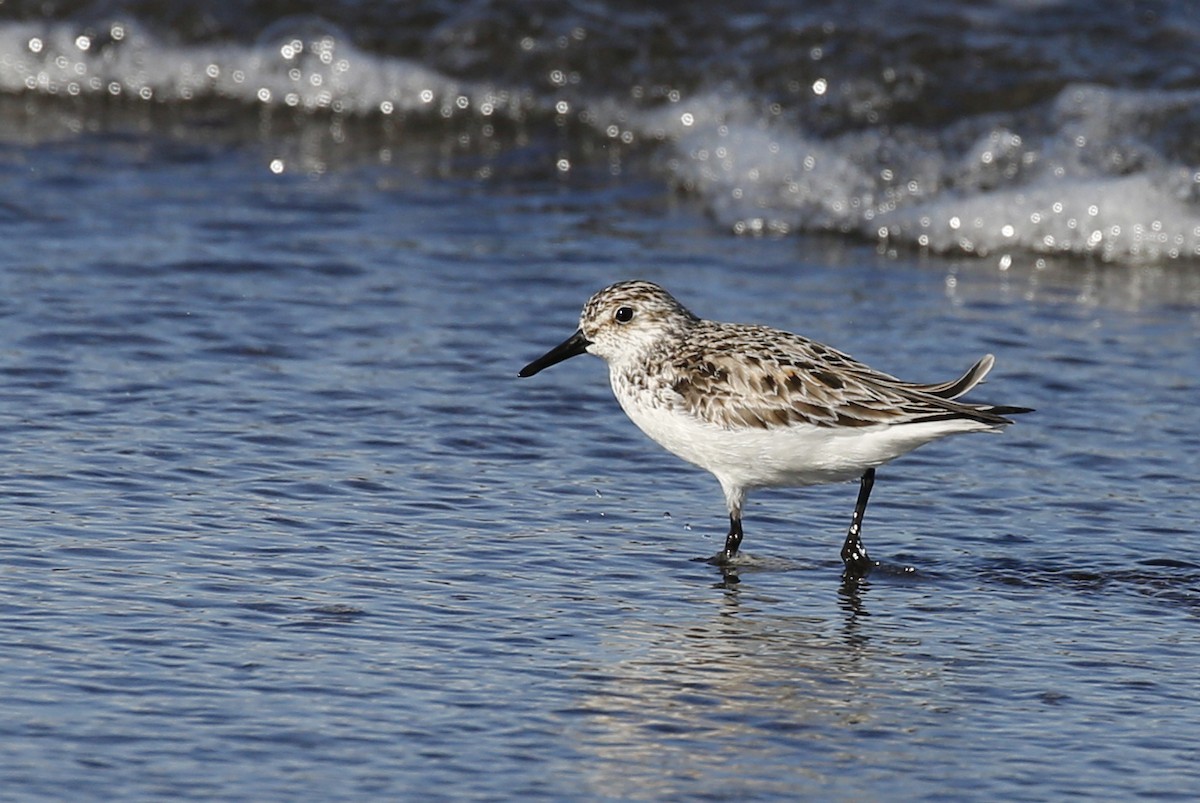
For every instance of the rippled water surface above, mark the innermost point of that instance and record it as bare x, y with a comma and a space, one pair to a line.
281, 522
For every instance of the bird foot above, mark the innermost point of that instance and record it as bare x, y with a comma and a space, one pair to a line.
722, 558
858, 566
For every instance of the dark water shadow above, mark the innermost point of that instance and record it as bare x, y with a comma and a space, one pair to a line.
1168, 580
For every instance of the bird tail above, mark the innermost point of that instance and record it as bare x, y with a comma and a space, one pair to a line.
993, 414
961, 386
1005, 409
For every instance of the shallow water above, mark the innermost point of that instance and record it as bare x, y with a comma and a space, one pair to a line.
282, 522
281, 519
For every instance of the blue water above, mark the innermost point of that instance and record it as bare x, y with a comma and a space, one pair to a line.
281, 522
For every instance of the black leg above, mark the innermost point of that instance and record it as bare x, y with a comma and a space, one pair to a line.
854, 554
734, 539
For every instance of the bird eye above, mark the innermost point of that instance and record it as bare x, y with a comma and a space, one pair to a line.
624, 314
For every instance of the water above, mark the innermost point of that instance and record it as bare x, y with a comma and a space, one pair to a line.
281, 522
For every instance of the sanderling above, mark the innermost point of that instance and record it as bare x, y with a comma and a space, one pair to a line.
759, 407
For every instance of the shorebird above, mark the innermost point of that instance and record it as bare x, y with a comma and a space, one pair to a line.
760, 407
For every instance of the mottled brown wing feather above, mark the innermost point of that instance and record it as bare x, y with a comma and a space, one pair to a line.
748, 376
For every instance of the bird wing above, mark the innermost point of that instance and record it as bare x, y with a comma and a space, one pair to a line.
750, 376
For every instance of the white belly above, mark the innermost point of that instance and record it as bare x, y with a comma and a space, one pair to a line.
792, 456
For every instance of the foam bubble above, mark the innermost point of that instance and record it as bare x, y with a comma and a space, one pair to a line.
1112, 218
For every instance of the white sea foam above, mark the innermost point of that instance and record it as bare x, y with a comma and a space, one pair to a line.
1091, 184
1099, 172
305, 66
756, 177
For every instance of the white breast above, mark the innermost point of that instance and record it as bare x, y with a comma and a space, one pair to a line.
797, 455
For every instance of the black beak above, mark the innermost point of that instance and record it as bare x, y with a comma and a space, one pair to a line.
574, 345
